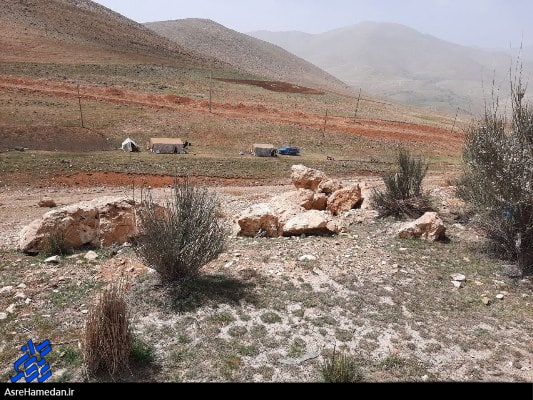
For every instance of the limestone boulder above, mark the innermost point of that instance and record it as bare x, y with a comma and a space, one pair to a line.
306, 178
329, 186
101, 223
344, 200
312, 222
429, 227
259, 219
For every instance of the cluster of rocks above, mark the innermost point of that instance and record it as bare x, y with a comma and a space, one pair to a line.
314, 208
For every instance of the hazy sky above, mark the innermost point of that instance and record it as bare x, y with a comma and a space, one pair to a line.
483, 23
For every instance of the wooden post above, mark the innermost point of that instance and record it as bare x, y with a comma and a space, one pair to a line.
455, 120
357, 106
79, 103
325, 123
210, 90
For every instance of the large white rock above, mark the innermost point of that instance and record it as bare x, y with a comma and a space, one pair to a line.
429, 226
329, 186
344, 200
259, 219
306, 178
311, 222
101, 222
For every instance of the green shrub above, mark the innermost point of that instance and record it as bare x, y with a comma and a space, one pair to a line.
341, 368
142, 352
403, 194
497, 183
184, 236
54, 243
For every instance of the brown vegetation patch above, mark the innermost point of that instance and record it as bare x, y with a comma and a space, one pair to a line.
275, 86
53, 138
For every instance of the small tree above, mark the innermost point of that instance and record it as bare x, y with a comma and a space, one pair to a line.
403, 194
498, 178
186, 234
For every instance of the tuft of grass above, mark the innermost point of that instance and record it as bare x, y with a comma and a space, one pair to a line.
270, 318
142, 352
391, 362
341, 368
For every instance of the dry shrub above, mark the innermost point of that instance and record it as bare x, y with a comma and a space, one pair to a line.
188, 234
108, 340
55, 243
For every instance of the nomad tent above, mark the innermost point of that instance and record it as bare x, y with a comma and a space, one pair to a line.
130, 145
166, 146
263, 150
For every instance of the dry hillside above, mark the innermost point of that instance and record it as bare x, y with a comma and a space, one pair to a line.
245, 52
81, 31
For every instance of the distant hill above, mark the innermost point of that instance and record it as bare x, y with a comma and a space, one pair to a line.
76, 31
245, 52
402, 64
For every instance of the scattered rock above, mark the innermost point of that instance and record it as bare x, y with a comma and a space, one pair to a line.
429, 227
6, 289
306, 178
457, 284
27, 301
91, 255
229, 264
84, 311
301, 359
307, 258
21, 286
47, 202
500, 296
458, 277
3, 316
486, 300
11, 308
101, 222
344, 199
311, 222
20, 295
53, 260
259, 220
425, 378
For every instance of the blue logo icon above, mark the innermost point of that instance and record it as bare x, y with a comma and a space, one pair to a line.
32, 365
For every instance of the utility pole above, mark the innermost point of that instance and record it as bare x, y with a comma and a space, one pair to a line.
357, 106
210, 90
79, 103
455, 120
325, 123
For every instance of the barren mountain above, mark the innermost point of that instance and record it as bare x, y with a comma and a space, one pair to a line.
245, 52
401, 63
81, 31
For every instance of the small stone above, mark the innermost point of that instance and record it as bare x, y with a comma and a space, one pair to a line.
127, 244
458, 277
20, 295
6, 289
500, 296
27, 301
84, 311
478, 283
307, 257
21, 286
3, 316
425, 378
91, 256
47, 202
384, 263
53, 260
237, 255
11, 309
457, 284
229, 264
485, 300
403, 249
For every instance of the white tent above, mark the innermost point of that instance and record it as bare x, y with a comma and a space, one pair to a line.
130, 145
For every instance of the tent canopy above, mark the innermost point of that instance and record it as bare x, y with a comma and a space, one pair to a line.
130, 145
